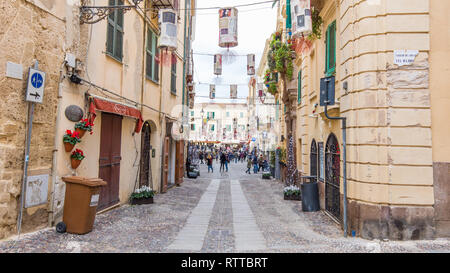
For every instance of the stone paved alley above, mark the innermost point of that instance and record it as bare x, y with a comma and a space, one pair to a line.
224, 213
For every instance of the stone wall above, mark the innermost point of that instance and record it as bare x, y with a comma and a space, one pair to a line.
27, 33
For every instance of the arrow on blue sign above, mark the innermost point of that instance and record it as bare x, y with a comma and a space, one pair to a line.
36, 80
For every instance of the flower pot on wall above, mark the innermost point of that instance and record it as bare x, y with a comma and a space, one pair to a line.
68, 146
80, 131
75, 163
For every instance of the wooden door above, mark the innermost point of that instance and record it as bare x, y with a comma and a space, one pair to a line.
179, 162
109, 161
166, 150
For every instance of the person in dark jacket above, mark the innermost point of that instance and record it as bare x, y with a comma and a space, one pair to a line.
223, 160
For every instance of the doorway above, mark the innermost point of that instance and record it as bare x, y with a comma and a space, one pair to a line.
109, 160
332, 177
146, 168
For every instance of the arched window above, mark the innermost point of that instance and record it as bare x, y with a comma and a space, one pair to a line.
332, 176
313, 159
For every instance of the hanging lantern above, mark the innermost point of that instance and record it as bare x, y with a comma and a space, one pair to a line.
168, 22
228, 27
212, 91
233, 91
251, 64
217, 64
301, 17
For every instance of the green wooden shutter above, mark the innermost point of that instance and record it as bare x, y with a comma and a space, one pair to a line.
173, 79
330, 67
114, 36
213, 115
299, 87
150, 54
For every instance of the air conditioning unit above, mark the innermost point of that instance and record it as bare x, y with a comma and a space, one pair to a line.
168, 23
301, 17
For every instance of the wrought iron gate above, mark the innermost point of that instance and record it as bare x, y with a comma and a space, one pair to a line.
313, 159
332, 177
146, 171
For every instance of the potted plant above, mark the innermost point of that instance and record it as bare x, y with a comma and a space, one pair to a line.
70, 139
142, 196
266, 175
292, 193
76, 158
83, 126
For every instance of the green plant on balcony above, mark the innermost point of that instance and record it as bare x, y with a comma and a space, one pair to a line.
317, 23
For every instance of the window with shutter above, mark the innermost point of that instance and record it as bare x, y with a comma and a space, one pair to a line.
330, 65
114, 36
173, 78
152, 66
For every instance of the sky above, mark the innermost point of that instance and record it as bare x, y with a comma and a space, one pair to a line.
255, 25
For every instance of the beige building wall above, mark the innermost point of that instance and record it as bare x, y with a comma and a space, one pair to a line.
440, 111
388, 109
47, 30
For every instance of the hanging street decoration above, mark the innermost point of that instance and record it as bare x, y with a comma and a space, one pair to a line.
168, 22
301, 17
212, 91
228, 27
251, 64
233, 91
217, 64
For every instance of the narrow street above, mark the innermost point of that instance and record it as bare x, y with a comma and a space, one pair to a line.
216, 213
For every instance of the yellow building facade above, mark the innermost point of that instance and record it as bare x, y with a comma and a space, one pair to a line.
397, 153
111, 70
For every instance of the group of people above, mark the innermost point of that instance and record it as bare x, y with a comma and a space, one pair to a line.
225, 155
257, 163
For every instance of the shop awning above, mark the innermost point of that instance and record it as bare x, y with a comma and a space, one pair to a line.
103, 105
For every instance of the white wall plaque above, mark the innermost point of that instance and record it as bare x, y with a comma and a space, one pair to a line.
14, 71
36, 190
405, 57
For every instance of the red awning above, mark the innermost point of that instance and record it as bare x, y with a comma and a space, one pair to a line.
115, 108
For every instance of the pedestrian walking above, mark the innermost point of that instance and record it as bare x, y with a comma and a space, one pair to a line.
209, 160
260, 162
255, 164
200, 156
249, 165
223, 159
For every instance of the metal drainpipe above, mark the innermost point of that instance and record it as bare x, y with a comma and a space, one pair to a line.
57, 140
344, 137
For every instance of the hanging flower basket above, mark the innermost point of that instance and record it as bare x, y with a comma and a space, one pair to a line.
70, 139
83, 126
76, 158
68, 146
75, 163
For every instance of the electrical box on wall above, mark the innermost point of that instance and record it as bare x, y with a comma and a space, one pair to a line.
327, 91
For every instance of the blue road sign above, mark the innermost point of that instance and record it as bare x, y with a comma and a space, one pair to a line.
36, 80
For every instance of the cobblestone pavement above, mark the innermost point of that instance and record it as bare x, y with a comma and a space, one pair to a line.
261, 210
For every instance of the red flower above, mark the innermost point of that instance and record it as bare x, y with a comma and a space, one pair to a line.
69, 132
